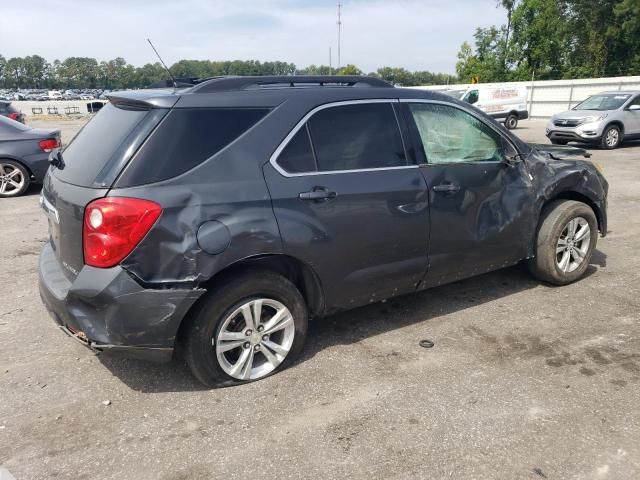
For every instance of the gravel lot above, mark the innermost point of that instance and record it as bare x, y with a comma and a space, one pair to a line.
525, 381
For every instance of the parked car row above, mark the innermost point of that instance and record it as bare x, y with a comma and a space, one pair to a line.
47, 95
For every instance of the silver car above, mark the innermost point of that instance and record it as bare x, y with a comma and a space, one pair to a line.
605, 119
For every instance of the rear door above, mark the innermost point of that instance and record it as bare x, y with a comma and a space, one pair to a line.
481, 206
350, 204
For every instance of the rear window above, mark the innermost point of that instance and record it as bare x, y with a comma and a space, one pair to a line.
185, 139
94, 145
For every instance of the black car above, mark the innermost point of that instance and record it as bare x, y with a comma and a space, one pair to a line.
24, 154
9, 111
220, 218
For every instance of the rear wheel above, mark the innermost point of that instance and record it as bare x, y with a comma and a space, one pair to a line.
611, 138
14, 179
251, 327
566, 239
511, 121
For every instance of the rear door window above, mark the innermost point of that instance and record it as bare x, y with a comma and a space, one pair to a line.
356, 137
185, 139
92, 148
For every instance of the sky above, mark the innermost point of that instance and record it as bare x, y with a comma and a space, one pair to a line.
417, 35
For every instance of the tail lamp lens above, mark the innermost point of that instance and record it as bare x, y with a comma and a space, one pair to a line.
114, 226
14, 116
49, 144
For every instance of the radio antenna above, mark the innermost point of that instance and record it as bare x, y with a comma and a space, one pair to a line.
175, 85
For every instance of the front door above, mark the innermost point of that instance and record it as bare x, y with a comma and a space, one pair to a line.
481, 209
349, 204
632, 118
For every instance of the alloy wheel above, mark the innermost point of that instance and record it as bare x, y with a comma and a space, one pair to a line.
11, 179
254, 339
573, 244
612, 137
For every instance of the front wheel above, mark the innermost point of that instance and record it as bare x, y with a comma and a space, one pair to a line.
558, 142
250, 327
511, 122
611, 138
566, 239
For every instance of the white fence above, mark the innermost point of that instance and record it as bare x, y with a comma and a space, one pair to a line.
546, 97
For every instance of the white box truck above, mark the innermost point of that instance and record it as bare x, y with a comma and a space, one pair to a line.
508, 104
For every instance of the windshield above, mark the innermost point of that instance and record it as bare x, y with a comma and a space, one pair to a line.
602, 102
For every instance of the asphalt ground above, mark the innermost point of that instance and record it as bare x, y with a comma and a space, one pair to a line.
525, 381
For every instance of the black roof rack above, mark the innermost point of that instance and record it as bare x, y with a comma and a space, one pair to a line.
220, 84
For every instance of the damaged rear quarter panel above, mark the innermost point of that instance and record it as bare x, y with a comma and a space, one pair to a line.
229, 188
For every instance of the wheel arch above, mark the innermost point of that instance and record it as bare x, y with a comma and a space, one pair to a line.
4, 156
578, 197
616, 123
298, 272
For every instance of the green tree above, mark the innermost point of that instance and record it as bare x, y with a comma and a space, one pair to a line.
539, 41
349, 70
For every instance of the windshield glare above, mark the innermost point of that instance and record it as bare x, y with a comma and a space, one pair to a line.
602, 102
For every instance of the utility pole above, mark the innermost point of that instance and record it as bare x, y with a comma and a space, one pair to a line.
330, 66
339, 31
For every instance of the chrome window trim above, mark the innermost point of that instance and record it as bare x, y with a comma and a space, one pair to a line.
470, 112
273, 160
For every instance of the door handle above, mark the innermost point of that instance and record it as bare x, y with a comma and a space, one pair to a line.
318, 194
446, 188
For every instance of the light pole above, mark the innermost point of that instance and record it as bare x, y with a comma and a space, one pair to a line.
339, 31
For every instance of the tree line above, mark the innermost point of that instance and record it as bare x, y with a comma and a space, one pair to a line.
556, 39
34, 71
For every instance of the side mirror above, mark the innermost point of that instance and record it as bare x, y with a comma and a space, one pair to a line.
634, 108
510, 155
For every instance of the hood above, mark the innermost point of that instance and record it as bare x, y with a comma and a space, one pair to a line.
580, 114
561, 152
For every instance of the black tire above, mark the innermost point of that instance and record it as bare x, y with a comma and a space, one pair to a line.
554, 219
207, 318
9, 190
559, 142
612, 131
511, 122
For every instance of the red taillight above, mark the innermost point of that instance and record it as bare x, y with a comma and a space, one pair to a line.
113, 226
14, 116
49, 144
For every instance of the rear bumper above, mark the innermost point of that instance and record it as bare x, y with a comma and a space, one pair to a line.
107, 310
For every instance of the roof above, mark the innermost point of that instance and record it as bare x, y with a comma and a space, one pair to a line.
270, 91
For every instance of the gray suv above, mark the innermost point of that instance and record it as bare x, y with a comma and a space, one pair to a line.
606, 119
217, 220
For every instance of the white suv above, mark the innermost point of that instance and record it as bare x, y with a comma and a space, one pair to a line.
606, 119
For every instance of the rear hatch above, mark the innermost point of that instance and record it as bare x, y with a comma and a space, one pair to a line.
86, 169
